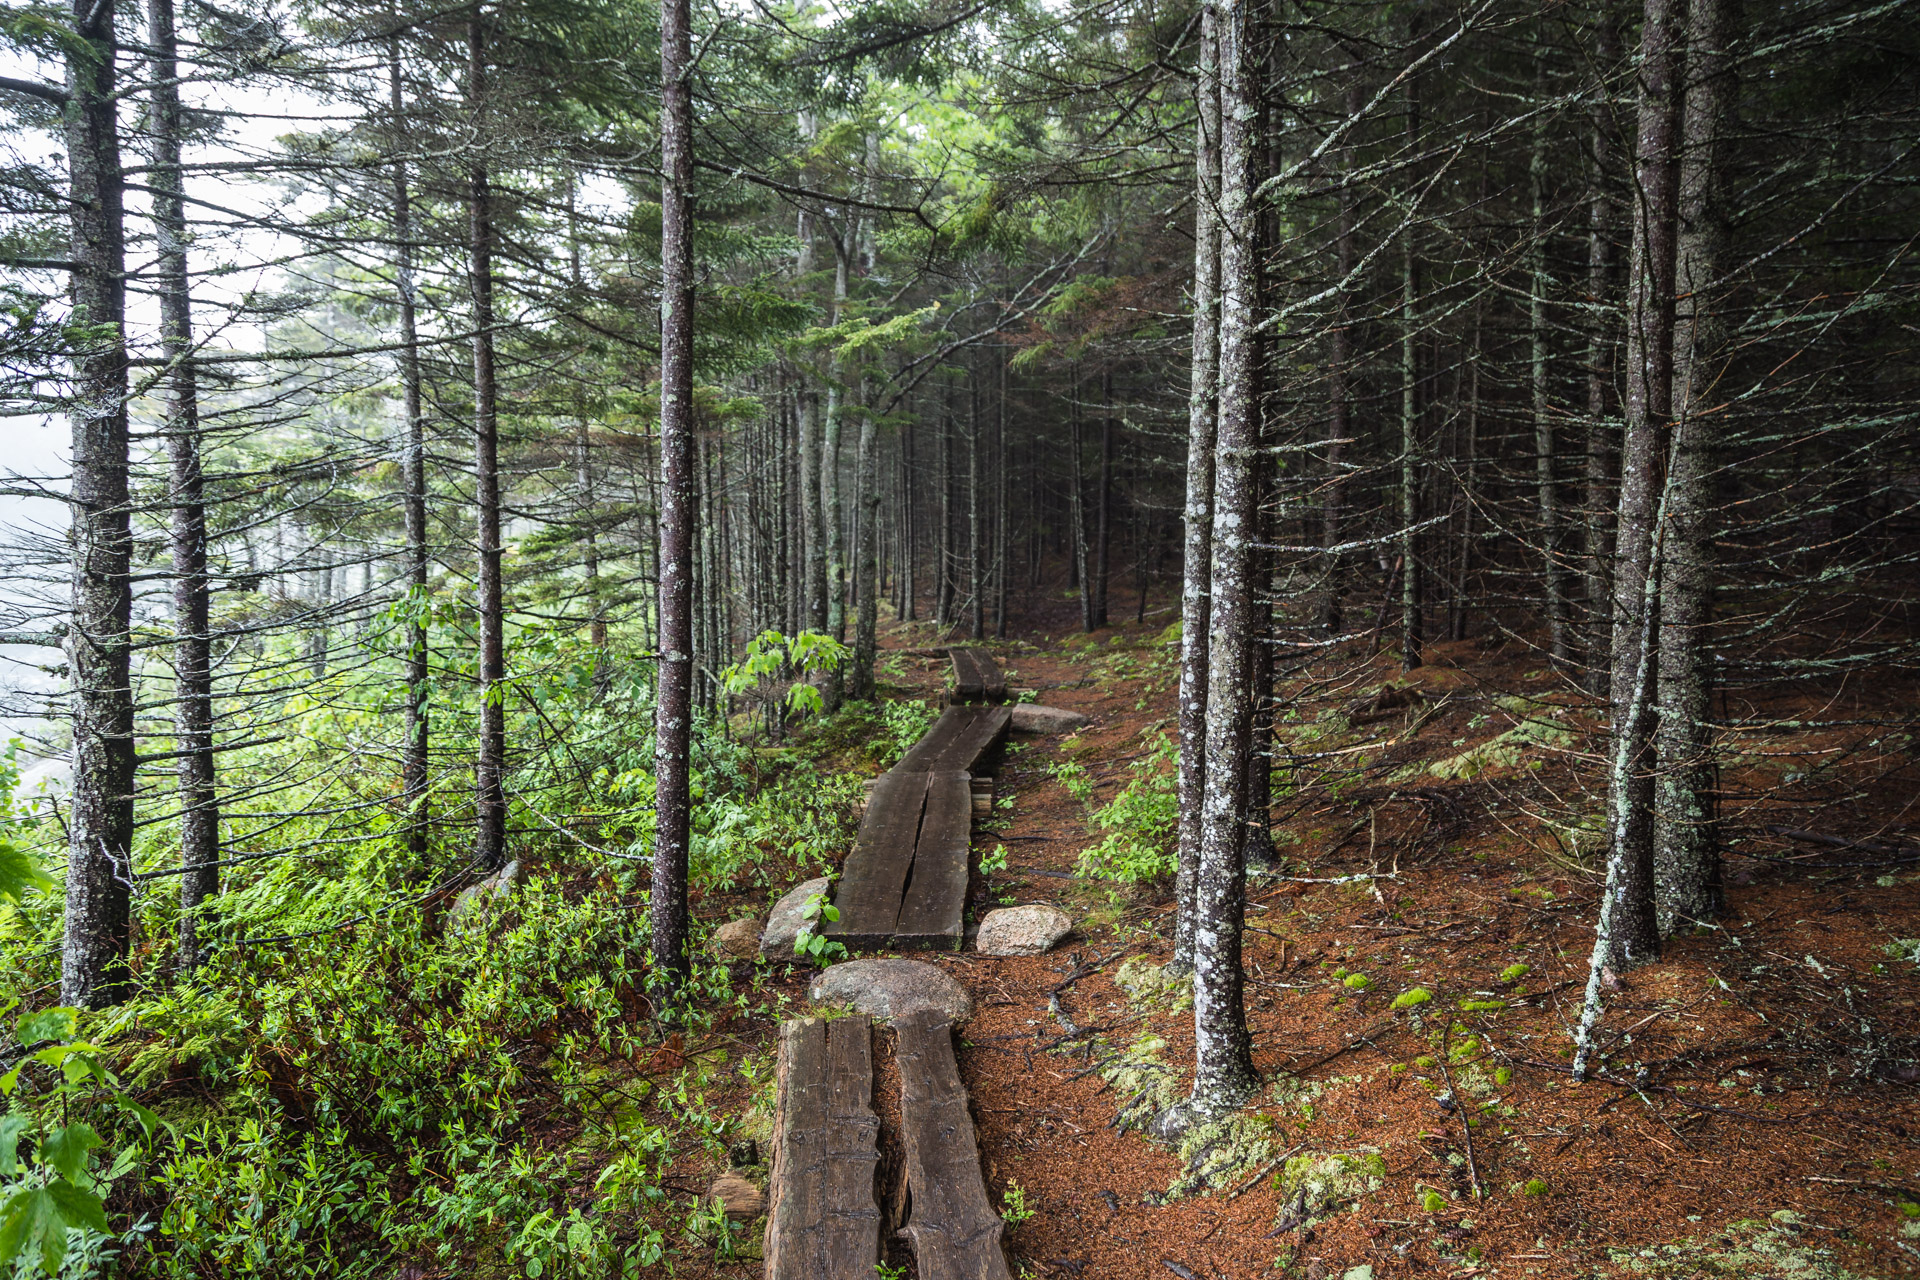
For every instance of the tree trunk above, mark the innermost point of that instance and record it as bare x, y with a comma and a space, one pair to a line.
1103, 514
1339, 403
1546, 479
1197, 540
976, 595
1685, 851
1003, 520
812, 515
490, 796
1224, 1077
193, 649
866, 562
673, 714
1634, 938
413, 765
1412, 578
93, 958
1598, 548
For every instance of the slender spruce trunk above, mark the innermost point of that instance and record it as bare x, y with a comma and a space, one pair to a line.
1103, 514
943, 578
976, 594
1546, 478
1197, 538
673, 704
193, 648
1633, 937
413, 760
1412, 575
812, 516
1224, 1077
490, 796
1686, 860
95, 942
1339, 403
1597, 560
866, 566
1002, 562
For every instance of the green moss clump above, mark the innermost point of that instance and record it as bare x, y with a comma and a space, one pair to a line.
1358, 982
1434, 1202
1414, 996
1150, 986
1313, 1186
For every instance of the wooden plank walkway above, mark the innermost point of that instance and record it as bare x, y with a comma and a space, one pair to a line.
951, 1222
976, 676
959, 740
823, 1220
904, 885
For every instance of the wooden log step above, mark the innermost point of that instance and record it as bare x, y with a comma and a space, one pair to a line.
823, 1219
956, 1234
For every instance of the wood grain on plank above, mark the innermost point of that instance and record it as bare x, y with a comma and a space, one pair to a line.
875, 875
956, 1234
823, 1220
933, 911
965, 750
952, 724
967, 678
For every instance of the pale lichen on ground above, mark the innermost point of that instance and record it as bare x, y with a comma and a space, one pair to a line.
1774, 1246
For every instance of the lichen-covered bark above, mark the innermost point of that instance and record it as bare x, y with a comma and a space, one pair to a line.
1685, 853
1546, 481
1635, 938
673, 707
193, 647
1223, 1062
1198, 543
414, 765
93, 959
1602, 442
489, 781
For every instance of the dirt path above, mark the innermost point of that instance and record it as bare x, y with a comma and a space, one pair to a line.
1736, 1122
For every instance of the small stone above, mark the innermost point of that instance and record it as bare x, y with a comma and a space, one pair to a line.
1031, 717
785, 922
737, 939
891, 988
1031, 930
740, 1199
477, 897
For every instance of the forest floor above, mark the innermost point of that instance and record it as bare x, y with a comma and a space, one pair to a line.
1757, 1114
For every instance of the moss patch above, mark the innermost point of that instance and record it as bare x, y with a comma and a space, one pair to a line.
1753, 1247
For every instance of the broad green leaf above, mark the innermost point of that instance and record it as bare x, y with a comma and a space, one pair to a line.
48, 1024
64, 1150
11, 1127
19, 872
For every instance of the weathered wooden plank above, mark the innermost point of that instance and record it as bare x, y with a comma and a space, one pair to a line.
967, 681
875, 874
953, 723
933, 910
823, 1220
955, 1232
964, 750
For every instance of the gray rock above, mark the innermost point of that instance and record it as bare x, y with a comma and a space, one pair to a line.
1031, 930
784, 923
736, 939
1031, 717
890, 988
475, 899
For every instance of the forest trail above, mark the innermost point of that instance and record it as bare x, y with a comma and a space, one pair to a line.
1739, 1150
902, 887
